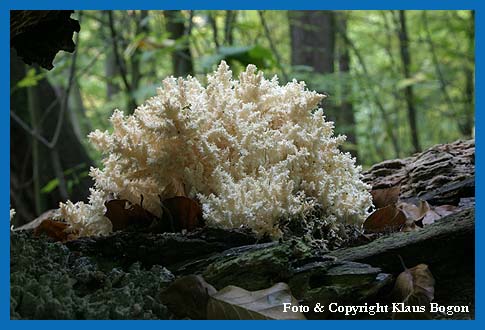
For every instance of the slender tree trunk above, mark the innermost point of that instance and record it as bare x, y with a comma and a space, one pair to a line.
347, 117
313, 44
77, 112
33, 107
469, 111
230, 21
110, 67
408, 91
49, 163
313, 39
182, 57
141, 28
372, 95
118, 45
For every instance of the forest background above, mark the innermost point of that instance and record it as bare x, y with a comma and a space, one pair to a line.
397, 82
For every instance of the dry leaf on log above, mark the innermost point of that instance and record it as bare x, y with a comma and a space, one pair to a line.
182, 213
45, 225
47, 215
385, 219
54, 229
385, 196
188, 297
414, 287
234, 303
123, 214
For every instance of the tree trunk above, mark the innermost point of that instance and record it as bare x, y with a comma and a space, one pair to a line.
48, 163
141, 28
409, 94
312, 34
110, 66
313, 39
347, 117
230, 21
467, 125
182, 57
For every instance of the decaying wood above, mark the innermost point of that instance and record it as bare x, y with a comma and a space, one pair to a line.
351, 275
163, 249
448, 242
443, 174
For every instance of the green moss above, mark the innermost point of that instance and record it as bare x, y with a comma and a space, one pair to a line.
257, 269
49, 282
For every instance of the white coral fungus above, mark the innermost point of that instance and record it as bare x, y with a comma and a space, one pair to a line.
251, 151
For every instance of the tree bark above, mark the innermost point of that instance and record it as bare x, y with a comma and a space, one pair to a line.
182, 62
409, 93
229, 22
313, 39
443, 174
347, 117
141, 28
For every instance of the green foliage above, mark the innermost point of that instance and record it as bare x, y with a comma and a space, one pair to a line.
72, 176
243, 55
442, 61
31, 79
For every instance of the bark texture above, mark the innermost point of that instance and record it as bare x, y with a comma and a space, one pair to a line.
443, 174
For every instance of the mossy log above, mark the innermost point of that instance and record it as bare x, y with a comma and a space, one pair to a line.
91, 267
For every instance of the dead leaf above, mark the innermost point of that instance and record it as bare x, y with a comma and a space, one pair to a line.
430, 217
385, 196
234, 303
45, 225
54, 229
414, 287
50, 214
123, 214
414, 213
386, 219
435, 213
444, 210
188, 297
182, 213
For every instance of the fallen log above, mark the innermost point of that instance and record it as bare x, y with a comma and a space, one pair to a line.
97, 266
443, 174
449, 239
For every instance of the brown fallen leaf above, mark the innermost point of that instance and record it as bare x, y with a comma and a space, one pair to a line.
182, 213
50, 214
424, 214
430, 217
124, 214
188, 297
386, 219
414, 213
414, 287
385, 196
234, 303
444, 210
53, 229
46, 225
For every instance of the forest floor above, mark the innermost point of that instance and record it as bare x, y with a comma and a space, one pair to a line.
425, 218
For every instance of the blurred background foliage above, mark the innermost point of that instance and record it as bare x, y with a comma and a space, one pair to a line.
397, 81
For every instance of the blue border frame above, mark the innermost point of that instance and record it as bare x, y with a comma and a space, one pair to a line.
6, 5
